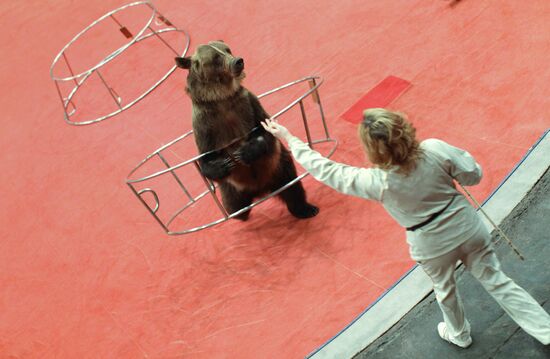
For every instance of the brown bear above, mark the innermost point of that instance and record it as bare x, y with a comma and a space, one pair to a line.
238, 153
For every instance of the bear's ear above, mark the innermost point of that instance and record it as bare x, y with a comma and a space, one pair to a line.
221, 41
183, 62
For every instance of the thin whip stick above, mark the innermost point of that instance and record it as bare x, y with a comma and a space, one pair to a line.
493, 223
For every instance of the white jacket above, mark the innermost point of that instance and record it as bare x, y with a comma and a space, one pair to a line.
410, 199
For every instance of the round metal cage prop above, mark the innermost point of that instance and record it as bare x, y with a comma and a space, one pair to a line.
156, 26
140, 184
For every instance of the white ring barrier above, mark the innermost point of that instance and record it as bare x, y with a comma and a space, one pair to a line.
191, 166
156, 26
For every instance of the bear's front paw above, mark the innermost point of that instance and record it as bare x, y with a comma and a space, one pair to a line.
251, 151
244, 156
218, 169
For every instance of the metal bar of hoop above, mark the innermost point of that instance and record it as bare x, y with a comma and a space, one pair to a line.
314, 94
212, 191
304, 119
293, 103
66, 105
163, 41
323, 119
70, 68
69, 98
123, 29
155, 197
154, 153
176, 177
161, 17
276, 89
175, 215
317, 99
63, 101
147, 206
115, 20
117, 98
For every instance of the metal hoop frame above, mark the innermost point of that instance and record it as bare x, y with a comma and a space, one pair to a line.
314, 83
80, 78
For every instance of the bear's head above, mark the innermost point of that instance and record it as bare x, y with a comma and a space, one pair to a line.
214, 73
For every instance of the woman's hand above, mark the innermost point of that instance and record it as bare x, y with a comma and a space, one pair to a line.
276, 130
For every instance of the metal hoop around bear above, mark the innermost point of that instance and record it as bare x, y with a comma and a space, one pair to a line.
133, 181
146, 32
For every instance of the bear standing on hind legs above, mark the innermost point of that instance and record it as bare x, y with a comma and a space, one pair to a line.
246, 160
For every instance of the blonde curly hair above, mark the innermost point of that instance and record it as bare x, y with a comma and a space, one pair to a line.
389, 140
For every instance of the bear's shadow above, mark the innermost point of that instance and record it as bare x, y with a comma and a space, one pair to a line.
272, 239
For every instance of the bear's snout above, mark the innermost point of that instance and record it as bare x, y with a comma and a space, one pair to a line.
237, 65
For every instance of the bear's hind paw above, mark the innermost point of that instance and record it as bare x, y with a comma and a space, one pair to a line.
243, 216
305, 211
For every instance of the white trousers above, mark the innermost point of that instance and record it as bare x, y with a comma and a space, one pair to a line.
480, 260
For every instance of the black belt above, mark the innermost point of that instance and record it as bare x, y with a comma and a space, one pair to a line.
431, 218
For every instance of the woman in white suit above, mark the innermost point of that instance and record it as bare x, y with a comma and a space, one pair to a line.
415, 184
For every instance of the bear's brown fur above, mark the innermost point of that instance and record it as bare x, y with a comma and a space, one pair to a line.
246, 160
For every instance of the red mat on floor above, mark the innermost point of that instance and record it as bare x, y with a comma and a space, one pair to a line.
381, 95
85, 271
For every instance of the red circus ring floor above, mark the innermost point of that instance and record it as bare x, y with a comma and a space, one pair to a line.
86, 272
